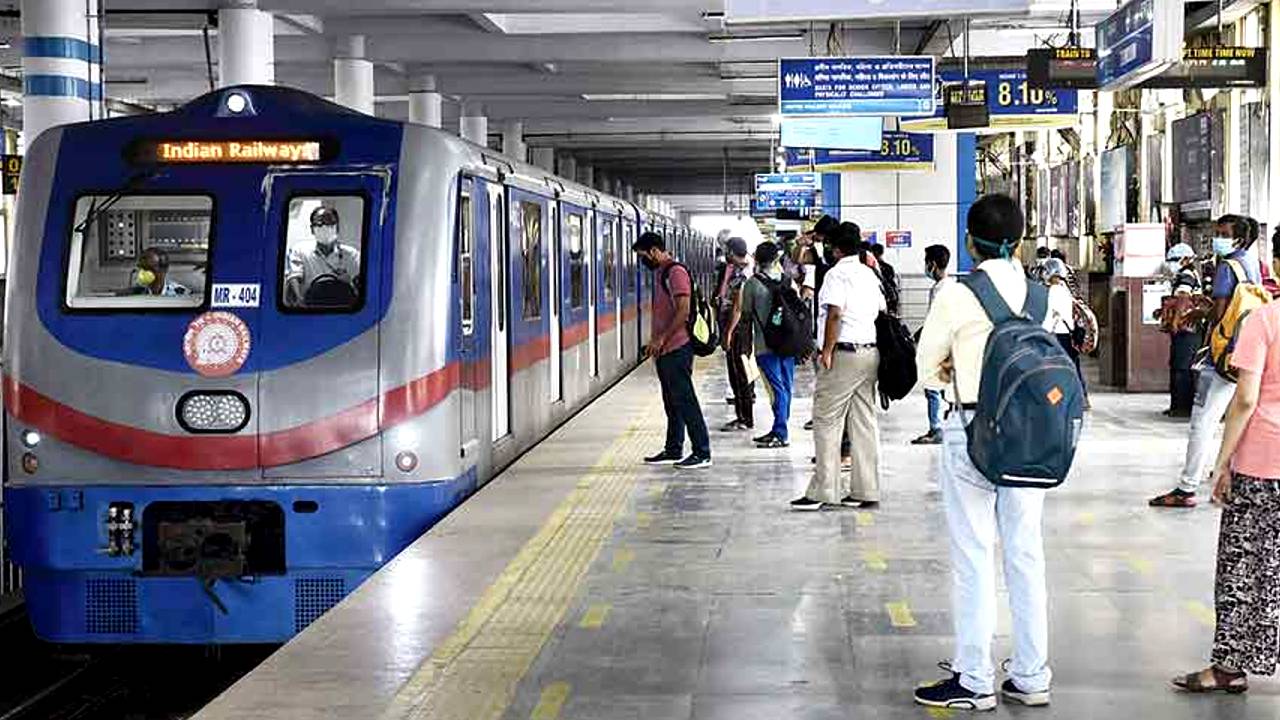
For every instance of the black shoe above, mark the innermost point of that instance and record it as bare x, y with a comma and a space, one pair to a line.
772, 443
735, 426
662, 458
950, 694
730, 400
933, 437
694, 462
764, 438
850, 501
1011, 691
805, 503
808, 425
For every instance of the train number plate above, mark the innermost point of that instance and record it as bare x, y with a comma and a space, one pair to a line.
236, 295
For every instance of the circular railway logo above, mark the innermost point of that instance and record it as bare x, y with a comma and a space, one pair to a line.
216, 344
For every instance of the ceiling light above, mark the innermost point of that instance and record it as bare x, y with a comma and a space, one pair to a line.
756, 38
652, 97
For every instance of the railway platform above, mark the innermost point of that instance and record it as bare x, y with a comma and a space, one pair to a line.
583, 584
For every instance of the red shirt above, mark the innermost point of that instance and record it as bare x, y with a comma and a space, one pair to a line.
673, 276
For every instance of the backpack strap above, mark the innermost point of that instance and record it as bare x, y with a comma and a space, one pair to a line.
1036, 306
979, 283
1242, 275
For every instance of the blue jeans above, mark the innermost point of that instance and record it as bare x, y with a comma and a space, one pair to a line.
680, 400
781, 374
935, 409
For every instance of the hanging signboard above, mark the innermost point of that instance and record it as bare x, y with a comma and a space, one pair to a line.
840, 133
787, 191
827, 86
1012, 102
1138, 41
12, 173
897, 151
1201, 67
766, 11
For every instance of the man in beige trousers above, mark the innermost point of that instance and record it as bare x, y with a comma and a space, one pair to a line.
845, 396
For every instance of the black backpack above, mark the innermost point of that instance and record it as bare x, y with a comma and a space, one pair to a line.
788, 329
701, 326
897, 375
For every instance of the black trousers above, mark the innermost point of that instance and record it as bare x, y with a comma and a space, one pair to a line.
744, 391
1182, 378
1064, 339
680, 400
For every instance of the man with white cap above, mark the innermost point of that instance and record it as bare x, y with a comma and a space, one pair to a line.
1183, 318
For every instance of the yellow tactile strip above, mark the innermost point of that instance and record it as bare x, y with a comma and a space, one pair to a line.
474, 673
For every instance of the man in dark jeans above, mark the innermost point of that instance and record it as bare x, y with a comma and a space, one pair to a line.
673, 355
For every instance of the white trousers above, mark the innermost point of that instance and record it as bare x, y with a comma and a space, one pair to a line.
1213, 397
977, 513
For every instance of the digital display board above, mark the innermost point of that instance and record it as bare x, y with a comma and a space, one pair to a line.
897, 151
1063, 68
1202, 67
236, 151
827, 86
12, 173
843, 133
786, 191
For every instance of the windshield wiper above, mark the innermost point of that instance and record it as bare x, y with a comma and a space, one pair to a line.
97, 209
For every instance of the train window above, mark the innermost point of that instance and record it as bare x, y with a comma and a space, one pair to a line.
531, 249
466, 272
139, 252
577, 262
323, 239
610, 259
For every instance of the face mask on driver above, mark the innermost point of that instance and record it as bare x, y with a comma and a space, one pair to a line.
1223, 246
326, 234
144, 277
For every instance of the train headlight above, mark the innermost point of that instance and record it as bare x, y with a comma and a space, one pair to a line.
213, 412
30, 438
237, 103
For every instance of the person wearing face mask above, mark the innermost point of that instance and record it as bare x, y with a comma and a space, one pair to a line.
936, 260
152, 276
1182, 316
737, 339
1231, 245
325, 256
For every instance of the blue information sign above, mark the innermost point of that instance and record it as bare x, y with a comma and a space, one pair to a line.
856, 86
1012, 101
1138, 41
897, 151
787, 191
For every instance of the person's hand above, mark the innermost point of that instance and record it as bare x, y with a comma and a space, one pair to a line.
827, 359
726, 344
1222, 484
946, 370
646, 352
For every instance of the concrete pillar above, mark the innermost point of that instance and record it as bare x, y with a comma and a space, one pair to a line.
602, 182
61, 64
513, 140
586, 175
353, 75
567, 167
246, 46
473, 125
543, 157
426, 106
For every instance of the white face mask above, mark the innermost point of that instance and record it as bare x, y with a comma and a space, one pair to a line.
1223, 246
326, 234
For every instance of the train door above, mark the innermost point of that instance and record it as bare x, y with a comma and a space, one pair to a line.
493, 219
617, 269
557, 359
464, 279
318, 394
593, 335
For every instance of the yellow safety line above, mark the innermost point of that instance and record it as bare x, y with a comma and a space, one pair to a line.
864, 519
594, 617
622, 559
1087, 518
644, 520
1142, 566
936, 712
474, 673
875, 561
900, 615
1201, 612
551, 702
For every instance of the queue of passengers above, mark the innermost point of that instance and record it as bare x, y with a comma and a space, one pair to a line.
967, 320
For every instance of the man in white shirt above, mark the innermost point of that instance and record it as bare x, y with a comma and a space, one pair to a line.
325, 257
844, 399
952, 349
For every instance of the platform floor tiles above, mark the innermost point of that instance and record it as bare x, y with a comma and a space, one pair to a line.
712, 600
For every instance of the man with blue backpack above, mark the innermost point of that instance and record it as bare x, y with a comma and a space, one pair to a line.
1013, 434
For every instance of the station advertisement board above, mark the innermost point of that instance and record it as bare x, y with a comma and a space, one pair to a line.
897, 151
1012, 101
844, 86
1140, 40
787, 191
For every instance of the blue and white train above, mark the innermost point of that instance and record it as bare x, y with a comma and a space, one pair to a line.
220, 418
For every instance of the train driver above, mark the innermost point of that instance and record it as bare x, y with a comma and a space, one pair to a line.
327, 258
152, 276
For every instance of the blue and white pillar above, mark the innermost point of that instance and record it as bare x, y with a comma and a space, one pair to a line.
246, 46
61, 64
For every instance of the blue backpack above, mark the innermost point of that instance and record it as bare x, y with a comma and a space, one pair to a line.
1030, 409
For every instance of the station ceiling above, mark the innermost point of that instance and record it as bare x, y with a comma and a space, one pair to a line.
663, 92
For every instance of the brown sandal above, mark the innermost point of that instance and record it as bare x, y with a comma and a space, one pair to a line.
1232, 683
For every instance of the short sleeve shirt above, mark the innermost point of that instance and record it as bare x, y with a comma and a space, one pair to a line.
855, 290
306, 262
1258, 351
1224, 281
673, 281
757, 303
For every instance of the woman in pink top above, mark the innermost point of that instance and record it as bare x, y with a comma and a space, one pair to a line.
1247, 484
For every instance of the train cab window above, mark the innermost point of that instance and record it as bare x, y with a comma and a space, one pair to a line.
629, 268
466, 270
577, 262
139, 252
610, 259
322, 263
531, 251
